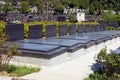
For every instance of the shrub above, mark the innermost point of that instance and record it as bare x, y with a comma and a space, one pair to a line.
112, 17
110, 28
23, 70
10, 68
110, 69
72, 18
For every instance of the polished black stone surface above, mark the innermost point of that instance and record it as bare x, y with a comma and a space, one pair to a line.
103, 27
97, 28
63, 29
37, 47
112, 24
35, 32
58, 42
87, 28
40, 50
15, 31
92, 29
50, 30
102, 22
80, 28
72, 29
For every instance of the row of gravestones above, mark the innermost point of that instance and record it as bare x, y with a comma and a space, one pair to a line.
16, 31
109, 23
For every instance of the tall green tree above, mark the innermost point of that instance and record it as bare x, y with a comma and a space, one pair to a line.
25, 7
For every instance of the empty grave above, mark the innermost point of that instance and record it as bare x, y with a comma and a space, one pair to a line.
15, 31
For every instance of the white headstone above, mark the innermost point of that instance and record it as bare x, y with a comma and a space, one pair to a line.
80, 17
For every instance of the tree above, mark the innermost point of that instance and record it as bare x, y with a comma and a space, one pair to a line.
59, 8
110, 69
6, 6
95, 6
72, 18
111, 64
25, 7
84, 4
7, 51
91, 9
40, 6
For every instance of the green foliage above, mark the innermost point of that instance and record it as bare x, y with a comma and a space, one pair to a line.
96, 76
110, 69
23, 70
2, 27
72, 18
40, 6
111, 17
25, 7
59, 8
95, 7
20, 70
110, 28
7, 51
10, 68
113, 64
91, 9
101, 57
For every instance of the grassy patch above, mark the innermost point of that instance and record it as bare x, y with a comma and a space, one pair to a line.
18, 71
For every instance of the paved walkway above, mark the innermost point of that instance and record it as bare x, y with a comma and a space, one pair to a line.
76, 69
5, 78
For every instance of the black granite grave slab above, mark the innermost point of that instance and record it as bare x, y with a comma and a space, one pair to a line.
102, 22
112, 24
87, 28
97, 28
92, 29
35, 32
50, 30
37, 47
103, 27
61, 18
80, 28
15, 31
72, 29
57, 42
63, 29
71, 45
41, 50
